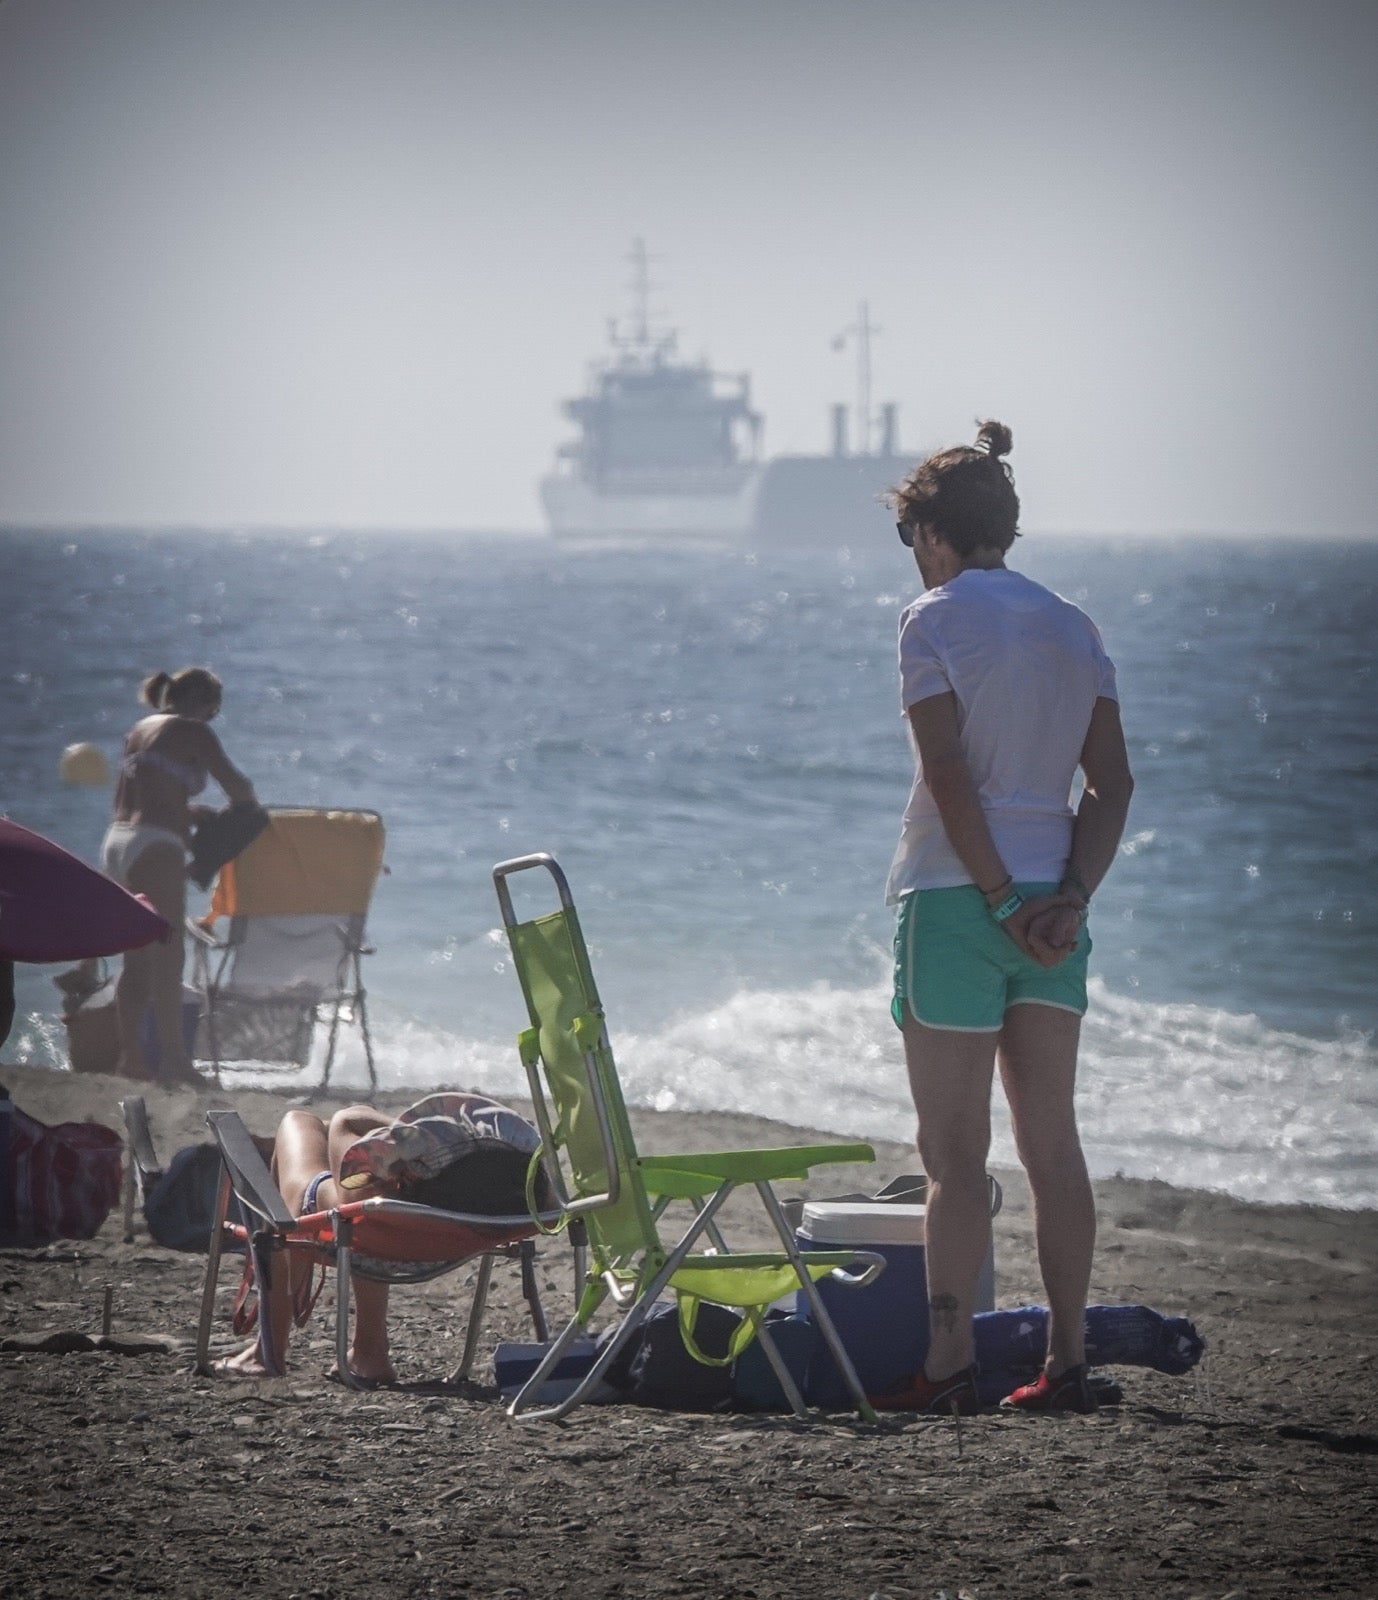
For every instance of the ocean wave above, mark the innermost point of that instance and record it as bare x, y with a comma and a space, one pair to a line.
1195, 1096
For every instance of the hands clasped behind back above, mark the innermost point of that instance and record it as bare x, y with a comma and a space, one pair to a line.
1046, 928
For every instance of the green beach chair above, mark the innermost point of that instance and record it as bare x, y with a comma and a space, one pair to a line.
615, 1198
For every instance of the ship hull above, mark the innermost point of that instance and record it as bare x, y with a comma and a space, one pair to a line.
830, 501
827, 501
580, 510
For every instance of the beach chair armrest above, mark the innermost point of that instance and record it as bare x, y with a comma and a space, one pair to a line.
515, 1222
249, 1175
683, 1176
872, 1264
820, 1262
757, 1279
203, 936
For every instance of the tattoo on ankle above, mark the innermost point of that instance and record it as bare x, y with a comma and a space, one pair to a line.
942, 1309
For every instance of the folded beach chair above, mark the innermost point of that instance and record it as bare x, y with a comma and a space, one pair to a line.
391, 1241
177, 1199
617, 1198
293, 905
142, 1168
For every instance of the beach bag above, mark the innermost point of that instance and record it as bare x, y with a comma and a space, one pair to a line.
60, 1182
93, 1030
179, 1204
657, 1368
755, 1386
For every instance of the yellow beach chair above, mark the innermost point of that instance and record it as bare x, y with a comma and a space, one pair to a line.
616, 1198
294, 907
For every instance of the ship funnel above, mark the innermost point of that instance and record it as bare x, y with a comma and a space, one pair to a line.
889, 429
839, 430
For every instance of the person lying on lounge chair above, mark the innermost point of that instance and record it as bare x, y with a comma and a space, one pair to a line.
428, 1155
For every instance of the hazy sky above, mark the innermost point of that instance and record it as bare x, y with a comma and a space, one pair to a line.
336, 262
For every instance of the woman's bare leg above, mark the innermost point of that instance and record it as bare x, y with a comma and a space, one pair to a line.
348, 1124
950, 1077
1038, 1066
133, 995
303, 1149
160, 873
369, 1352
300, 1151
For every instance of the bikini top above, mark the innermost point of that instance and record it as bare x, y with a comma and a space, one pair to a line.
192, 780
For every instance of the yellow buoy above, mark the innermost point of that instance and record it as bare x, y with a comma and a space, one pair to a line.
85, 764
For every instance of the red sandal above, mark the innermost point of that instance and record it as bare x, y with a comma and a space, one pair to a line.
941, 1398
1070, 1391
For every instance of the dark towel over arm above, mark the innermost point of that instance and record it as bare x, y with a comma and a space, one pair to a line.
220, 836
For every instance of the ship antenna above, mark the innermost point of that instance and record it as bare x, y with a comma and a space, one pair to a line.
641, 294
862, 331
643, 342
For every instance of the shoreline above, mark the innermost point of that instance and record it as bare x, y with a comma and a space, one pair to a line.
57, 1095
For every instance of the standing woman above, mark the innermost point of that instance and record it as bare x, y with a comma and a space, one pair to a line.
1008, 691
168, 756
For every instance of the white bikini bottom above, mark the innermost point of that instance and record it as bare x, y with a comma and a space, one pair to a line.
125, 842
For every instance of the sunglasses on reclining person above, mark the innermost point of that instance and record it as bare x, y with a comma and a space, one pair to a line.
906, 533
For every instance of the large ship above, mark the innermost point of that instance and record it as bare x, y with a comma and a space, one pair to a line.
670, 449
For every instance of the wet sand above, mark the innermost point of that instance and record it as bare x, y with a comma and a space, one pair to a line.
124, 1473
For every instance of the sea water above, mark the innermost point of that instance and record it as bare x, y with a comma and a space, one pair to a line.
710, 742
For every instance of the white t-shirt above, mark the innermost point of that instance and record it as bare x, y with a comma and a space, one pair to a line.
1026, 667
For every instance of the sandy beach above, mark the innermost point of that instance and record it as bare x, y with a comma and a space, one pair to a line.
124, 1473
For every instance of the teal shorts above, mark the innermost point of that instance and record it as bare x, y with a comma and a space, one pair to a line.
957, 968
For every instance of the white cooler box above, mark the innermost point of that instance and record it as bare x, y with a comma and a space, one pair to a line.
884, 1326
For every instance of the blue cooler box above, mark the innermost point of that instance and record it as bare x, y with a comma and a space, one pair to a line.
884, 1326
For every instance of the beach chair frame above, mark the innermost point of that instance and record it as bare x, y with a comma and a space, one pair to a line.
297, 1011
618, 1198
142, 1168
389, 1241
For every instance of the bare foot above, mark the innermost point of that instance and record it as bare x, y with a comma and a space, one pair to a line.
248, 1363
372, 1377
127, 1066
179, 1074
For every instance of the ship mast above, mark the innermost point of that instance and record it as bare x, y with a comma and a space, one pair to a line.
641, 293
640, 343
863, 330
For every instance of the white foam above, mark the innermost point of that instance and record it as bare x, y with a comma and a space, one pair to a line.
1196, 1097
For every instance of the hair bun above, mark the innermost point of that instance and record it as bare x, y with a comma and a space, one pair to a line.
994, 438
154, 690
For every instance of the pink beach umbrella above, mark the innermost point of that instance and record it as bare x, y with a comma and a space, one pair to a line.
54, 907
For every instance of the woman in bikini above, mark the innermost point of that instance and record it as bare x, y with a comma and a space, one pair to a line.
168, 756
456, 1151
307, 1155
